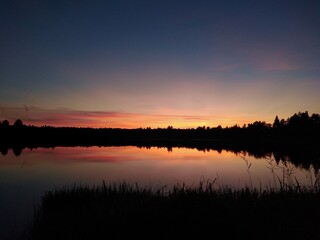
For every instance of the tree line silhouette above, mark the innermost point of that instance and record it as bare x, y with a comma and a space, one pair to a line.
299, 127
296, 137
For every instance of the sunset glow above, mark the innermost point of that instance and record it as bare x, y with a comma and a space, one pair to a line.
100, 119
158, 63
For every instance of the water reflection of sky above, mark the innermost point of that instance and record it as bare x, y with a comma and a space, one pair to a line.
25, 178
145, 166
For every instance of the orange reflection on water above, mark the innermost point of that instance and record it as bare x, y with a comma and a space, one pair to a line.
143, 165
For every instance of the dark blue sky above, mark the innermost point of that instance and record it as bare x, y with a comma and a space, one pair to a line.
236, 60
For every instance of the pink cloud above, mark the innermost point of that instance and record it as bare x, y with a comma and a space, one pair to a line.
75, 118
267, 60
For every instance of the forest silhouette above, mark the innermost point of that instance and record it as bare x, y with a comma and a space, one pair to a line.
126, 211
295, 139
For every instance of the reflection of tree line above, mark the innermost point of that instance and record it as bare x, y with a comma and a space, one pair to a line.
295, 139
303, 156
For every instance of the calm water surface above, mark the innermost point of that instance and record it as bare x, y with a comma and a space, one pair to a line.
24, 179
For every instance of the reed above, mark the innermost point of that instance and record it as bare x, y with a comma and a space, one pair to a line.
128, 211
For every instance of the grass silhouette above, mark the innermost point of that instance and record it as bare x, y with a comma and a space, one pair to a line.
127, 211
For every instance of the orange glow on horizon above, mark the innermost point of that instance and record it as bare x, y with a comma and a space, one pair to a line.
133, 122
73, 118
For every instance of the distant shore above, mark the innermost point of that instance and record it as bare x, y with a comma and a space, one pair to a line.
296, 138
297, 129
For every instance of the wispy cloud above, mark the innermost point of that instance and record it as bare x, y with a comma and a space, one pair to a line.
69, 117
271, 60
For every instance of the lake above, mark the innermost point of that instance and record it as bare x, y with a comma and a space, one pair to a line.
25, 178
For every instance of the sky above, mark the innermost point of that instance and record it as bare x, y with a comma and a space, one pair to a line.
158, 63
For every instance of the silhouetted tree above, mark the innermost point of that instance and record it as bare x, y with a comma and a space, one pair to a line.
258, 125
17, 150
18, 123
3, 150
5, 123
299, 120
276, 122
315, 118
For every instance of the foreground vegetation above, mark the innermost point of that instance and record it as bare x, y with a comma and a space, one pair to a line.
125, 211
